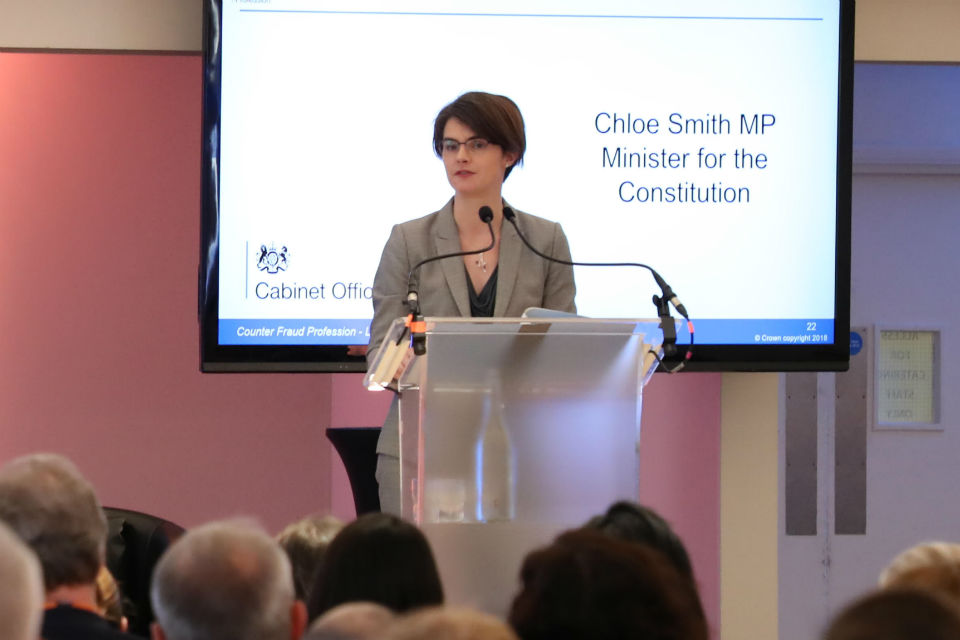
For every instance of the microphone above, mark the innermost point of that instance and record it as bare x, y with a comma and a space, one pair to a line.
662, 302
415, 320
486, 216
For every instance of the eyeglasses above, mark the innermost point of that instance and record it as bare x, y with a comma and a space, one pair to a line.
449, 145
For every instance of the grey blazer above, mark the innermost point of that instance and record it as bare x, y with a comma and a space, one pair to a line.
524, 279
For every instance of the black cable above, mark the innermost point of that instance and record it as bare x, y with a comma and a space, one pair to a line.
493, 241
668, 295
418, 339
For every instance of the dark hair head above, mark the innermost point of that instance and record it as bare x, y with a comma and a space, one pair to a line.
897, 614
588, 585
377, 558
495, 118
636, 523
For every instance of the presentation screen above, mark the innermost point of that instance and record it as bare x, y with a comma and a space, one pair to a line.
710, 140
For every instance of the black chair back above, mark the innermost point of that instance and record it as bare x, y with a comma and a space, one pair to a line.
135, 542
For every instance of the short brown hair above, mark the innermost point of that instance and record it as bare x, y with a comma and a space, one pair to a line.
589, 585
494, 118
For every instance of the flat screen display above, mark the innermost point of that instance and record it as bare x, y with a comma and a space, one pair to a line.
710, 140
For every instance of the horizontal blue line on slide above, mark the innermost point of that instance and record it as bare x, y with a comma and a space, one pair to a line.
531, 15
256, 332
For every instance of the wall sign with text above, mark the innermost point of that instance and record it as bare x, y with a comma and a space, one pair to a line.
907, 378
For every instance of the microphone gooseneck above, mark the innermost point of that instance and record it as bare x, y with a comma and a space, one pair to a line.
662, 302
415, 319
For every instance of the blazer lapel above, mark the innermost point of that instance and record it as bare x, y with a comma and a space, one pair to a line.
447, 240
508, 266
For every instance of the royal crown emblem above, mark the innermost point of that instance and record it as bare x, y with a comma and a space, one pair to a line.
271, 260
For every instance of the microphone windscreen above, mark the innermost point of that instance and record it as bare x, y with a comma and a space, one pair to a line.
486, 214
508, 214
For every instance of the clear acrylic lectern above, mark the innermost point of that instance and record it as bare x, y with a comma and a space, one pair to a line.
512, 430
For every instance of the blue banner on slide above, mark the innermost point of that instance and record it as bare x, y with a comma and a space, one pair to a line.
350, 332
286, 331
764, 332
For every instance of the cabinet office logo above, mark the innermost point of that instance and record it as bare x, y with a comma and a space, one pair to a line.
271, 260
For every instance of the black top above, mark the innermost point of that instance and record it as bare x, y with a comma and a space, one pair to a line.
68, 623
481, 304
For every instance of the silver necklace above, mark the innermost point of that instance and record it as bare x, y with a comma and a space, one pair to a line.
481, 262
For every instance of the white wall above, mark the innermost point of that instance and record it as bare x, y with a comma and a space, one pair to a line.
149, 25
907, 30
890, 30
906, 222
749, 494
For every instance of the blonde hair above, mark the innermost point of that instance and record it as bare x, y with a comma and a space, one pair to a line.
305, 543
358, 620
108, 597
450, 623
932, 566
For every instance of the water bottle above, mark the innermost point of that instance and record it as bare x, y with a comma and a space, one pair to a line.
495, 460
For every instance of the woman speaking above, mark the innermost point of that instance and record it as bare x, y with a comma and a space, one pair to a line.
480, 138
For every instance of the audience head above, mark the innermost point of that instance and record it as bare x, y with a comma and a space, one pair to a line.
636, 523
21, 589
897, 614
55, 511
932, 565
589, 585
352, 621
377, 558
225, 581
442, 623
305, 542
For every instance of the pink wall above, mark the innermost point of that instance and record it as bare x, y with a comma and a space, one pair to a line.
99, 215
99, 211
680, 470
351, 406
